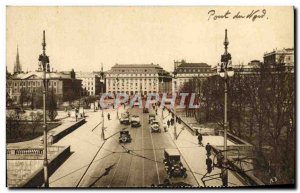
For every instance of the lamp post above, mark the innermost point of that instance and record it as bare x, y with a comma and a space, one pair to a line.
44, 61
102, 85
175, 86
117, 86
225, 71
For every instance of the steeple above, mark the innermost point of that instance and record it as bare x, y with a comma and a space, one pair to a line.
17, 67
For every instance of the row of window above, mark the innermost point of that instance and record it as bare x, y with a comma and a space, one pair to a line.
18, 90
34, 83
194, 70
114, 75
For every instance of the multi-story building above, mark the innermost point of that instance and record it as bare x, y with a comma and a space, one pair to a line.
65, 86
187, 71
136, 78
280, 58
91, 84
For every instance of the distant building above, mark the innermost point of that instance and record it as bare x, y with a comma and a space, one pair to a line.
136, 78
90, 83
65, 86
280, 59
187, 71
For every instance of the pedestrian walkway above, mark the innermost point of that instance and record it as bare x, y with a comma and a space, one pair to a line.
84, 143
195, 155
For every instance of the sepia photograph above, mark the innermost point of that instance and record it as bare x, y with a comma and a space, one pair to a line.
150, 97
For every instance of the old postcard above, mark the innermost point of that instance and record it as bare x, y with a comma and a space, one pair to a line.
150, 97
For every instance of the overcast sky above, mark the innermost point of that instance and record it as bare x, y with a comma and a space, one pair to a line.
84, 37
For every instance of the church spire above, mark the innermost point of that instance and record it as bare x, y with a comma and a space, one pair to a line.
17, 67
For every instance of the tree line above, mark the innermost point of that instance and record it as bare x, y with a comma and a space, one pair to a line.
261, 110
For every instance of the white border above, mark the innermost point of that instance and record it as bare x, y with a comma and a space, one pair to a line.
4, 3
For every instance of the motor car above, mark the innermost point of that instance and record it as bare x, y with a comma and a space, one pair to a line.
155, 127
124, 119
125, 137
135, 121
173, 164
151, 117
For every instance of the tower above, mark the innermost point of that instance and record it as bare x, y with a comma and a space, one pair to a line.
17, 66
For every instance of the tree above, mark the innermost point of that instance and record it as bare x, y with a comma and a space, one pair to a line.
36, 119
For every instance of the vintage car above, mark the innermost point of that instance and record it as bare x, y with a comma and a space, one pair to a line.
151, 117
173, 165
124, 137
155, 127
135, 121
124, 119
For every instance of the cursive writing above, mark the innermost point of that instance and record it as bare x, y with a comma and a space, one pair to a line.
253, 15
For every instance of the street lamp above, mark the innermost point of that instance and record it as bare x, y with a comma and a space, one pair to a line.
44, 62
225, 71
102, 85
117, 88
175, 86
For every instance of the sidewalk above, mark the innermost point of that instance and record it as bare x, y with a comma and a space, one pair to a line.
87, 137
195, 155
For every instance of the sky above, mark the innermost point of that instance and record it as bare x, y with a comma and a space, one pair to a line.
81, 38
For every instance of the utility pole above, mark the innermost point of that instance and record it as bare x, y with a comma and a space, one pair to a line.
44, 60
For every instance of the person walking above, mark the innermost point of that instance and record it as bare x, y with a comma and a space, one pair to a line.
200, 139
168, 123
108, 116
208, 149
208, 165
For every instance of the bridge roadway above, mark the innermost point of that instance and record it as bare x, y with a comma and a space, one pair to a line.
135, 164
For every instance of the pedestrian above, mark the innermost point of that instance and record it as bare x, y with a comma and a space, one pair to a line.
208, 149
208, 165
168, 123
165, 128
200, 139
108, 116
76, 115
156, 111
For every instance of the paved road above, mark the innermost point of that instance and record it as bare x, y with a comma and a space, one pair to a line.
135, 164
141, 167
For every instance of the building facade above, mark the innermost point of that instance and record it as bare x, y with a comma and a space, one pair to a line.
91, 84
187, 71
280, 59
137, 78
65, 86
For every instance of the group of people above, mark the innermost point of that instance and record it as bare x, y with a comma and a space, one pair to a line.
209, 163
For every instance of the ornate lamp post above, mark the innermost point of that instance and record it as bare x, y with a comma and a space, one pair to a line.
225, 71
175, 87
102, 90
117, 88
44, 62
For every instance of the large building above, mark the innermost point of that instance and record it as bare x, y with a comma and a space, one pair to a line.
136, 78
187, 71
65, 86
280, 58
91, 84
